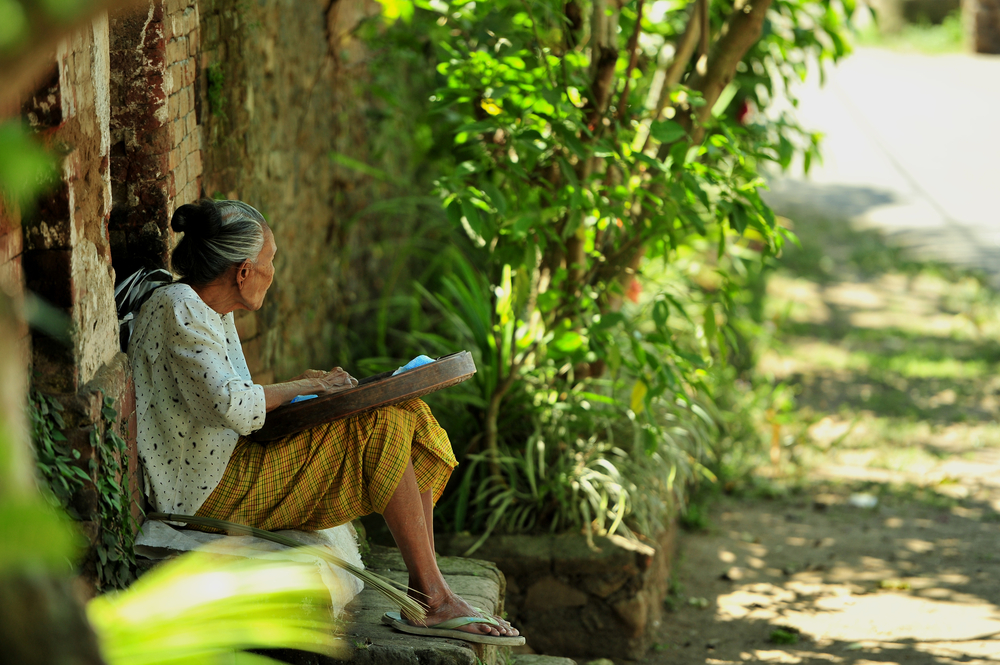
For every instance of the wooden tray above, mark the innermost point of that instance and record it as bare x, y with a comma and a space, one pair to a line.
371, 393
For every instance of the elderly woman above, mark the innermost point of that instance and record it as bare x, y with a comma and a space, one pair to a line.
196, 403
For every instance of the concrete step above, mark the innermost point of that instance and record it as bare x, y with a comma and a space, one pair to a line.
372, 643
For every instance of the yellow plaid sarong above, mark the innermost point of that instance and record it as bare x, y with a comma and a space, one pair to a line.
334, 472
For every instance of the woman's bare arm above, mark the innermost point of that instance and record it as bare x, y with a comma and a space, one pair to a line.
311, 382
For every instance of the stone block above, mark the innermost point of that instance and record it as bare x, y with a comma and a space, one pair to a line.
181, 174
571, 554
633, 613
549, 593
177, 49
173, 106
190, 71
171, 7
185, 99
173, 159
175, 77
191, 122
194, 165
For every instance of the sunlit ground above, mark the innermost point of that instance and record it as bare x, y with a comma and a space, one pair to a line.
895, 366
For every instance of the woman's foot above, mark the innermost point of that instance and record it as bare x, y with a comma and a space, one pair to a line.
451, 606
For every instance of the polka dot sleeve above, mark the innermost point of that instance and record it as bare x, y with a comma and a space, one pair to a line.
211, 387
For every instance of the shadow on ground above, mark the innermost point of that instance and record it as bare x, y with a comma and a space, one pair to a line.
874, 537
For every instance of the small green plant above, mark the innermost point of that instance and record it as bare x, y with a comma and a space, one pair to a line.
64, 474
216, 91
784, 636
57, 463
116, 558
695, 518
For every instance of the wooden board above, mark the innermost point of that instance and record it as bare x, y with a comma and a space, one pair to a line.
370, 393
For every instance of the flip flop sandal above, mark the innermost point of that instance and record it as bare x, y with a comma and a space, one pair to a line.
448, 629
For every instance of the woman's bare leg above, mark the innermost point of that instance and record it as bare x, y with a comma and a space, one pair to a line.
409, 524
427, 501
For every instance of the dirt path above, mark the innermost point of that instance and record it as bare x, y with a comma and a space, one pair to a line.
877, 537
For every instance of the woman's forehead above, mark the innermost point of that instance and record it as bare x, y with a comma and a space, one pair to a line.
270, 246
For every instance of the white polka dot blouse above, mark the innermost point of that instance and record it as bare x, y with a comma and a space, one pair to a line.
194, 397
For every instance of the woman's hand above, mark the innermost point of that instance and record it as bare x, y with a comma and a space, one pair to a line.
330, 382
310, 382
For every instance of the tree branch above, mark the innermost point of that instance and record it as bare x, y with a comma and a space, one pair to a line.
741, 32
633, 58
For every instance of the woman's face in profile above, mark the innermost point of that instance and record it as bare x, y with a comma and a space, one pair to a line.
261, 274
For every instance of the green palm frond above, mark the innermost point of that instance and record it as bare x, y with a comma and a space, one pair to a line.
201, 608
412, 608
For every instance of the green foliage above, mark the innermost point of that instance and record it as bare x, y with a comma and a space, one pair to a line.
607, 243
199, 609
25, 168
64, 474
216, 91
57, 463
115, 551
784, 636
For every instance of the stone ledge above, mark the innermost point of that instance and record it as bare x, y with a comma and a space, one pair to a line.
372, 643
569, 599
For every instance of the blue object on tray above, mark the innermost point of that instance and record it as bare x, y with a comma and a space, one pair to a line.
419, 361
302, 398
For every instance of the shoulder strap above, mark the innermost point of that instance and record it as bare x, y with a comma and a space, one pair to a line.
131, 294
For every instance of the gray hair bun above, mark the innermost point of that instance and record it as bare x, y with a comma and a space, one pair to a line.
217, 235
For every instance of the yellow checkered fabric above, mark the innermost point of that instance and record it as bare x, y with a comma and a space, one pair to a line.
334, 472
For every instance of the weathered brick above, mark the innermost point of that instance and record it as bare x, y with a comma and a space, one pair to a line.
190, 70
174, 159
171, 7
192, 122
177, 49
179, 131
173, 106
175, 74
187, 99
194, 164
181, 173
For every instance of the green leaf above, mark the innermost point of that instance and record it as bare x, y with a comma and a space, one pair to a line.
666, 131
25, 168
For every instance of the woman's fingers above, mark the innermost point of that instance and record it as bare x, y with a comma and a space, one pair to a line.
336, 380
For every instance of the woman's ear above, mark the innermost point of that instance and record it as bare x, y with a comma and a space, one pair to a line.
243, 273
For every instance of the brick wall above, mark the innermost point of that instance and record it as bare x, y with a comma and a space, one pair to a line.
283, 85
66, 256
156, 151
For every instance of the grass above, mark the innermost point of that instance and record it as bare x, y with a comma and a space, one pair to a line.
921, 37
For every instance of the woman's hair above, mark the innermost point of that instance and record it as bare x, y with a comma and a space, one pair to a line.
217, 235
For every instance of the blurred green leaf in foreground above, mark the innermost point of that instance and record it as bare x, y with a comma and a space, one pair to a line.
200, 608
